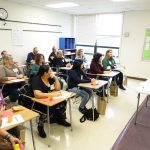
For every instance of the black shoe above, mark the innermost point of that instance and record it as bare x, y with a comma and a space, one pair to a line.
83, 110
121, 87
106, 95
64, 123
99, 94
41, 131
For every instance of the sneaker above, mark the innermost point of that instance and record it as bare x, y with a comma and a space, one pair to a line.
83, 110
121, 87
41, 131
64, 123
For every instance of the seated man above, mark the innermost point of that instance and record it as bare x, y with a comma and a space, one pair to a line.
59, 61
109, 63
31, 55
3, 54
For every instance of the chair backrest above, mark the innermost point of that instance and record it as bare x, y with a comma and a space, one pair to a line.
26, 90
2, 100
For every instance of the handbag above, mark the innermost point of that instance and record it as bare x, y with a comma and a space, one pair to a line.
89, 115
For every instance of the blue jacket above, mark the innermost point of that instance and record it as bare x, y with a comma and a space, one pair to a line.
76, 77
30, 57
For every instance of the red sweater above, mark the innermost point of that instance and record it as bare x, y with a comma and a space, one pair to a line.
96, 68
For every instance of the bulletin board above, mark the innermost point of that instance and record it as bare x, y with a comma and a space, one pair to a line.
146, 50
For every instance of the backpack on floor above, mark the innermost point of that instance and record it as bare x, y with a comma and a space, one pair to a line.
89, 115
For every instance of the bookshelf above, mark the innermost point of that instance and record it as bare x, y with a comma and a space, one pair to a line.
67, 44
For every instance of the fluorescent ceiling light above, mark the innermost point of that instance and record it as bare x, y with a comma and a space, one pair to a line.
62, 5
120, 0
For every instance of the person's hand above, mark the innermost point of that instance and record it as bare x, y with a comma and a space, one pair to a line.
106, 72
56, 93
19, 76
32, 61
14, 141
2, 108
68, 65
93, 80
12, 78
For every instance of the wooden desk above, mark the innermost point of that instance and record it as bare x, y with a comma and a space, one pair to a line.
27, 115
66, 96
16, 80
110, 75
100, 84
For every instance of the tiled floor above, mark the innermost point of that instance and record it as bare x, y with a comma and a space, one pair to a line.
99, 135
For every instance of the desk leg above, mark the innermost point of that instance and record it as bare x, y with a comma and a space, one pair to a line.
70, 113
48, 121
93, 103
137, 108
34, 147
108, 90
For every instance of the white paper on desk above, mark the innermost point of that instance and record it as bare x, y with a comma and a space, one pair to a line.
18, 80
64, 95
16, 119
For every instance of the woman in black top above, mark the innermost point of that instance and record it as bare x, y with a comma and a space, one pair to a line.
76, 76
41, 86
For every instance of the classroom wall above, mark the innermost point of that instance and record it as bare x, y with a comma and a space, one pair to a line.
43, 40
132, 47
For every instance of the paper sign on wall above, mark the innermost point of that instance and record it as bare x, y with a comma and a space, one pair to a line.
146, 51
17, 37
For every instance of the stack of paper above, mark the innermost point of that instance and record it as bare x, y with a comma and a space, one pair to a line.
15, 120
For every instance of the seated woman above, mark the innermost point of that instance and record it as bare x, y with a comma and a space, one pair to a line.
76, 76
10, 71
80, 55
109, 63
39, 60
41, 86
97, 68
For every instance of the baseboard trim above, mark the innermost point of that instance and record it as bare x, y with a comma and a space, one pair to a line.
136, 78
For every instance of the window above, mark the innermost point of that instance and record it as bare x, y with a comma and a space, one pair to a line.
108, 33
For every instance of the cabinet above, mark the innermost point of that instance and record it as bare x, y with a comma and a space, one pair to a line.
68, 47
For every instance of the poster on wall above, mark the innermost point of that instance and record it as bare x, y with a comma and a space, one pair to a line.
146, 51
17, 37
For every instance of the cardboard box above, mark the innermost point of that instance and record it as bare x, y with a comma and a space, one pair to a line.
114, 89
101, 105
125, 82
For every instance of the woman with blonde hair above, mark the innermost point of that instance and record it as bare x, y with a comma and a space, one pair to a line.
10, 71
80, 55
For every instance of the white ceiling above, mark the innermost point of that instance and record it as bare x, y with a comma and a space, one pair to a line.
92, 6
